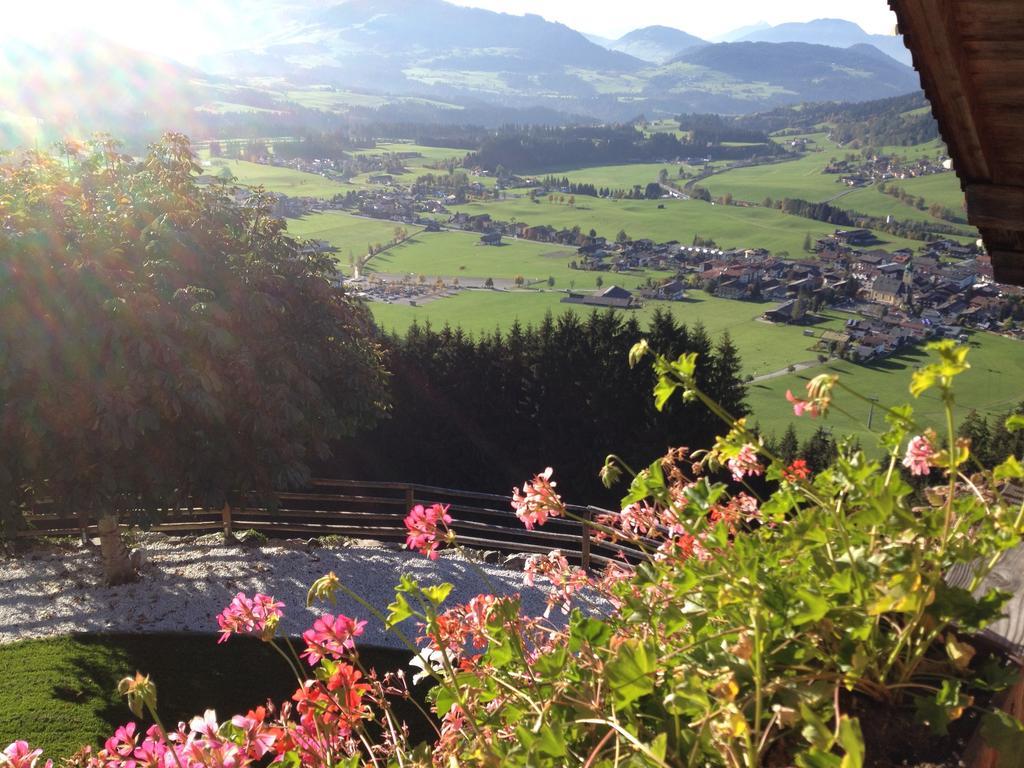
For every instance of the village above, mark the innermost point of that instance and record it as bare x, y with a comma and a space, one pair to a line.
895, 299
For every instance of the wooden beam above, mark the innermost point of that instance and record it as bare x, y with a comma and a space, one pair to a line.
1008, 267
995, 206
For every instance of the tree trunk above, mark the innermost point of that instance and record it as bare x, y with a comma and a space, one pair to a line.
117, 565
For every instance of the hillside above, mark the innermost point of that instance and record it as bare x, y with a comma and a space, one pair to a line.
445, 53
815, 72
656, 44
834, 32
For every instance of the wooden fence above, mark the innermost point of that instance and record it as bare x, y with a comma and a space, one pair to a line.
371, 510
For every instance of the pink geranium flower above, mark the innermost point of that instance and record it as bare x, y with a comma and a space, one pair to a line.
745, 463
426, 525
919, 456
249, 617
538, 500
18, 754
802, 406
331, 637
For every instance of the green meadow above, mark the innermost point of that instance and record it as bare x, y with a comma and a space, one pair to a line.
942, 188
284, 181
764, 347
664, 220
992, 386
455, 254
802, 179
345, 231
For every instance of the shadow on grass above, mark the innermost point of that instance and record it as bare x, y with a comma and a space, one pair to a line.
194, 673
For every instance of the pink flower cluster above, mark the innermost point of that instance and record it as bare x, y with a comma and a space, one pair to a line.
920, 454
745, 464
538, 500
20, 755
565, 580
203, 742
331, 637
426, 527
819, 396
249, 617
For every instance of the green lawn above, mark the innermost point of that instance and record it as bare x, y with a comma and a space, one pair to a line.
729, 226
344, 231
60, 694
764, 348
992, 386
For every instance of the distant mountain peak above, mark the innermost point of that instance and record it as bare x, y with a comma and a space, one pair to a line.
656, 43
838, 33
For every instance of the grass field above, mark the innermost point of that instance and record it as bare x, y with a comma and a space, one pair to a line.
455, 254
764, 348
620, 176
800, 179
282, 180
871, 202
729, 226
992, 386
942, 188
61, 694
345, 232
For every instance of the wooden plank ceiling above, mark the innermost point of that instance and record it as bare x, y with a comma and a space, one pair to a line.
970, 54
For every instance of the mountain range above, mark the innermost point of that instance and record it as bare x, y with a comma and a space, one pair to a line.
430, 60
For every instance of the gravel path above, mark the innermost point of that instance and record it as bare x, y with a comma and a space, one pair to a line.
185, 584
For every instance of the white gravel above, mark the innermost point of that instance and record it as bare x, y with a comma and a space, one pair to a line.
186, 583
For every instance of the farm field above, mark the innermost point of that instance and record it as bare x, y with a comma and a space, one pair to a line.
682, 220
800, 178
764, 348
344, 231
942, 188
284, 181
454, 254
621, 176
992, 386
872, 202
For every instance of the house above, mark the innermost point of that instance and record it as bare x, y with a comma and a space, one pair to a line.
854, 237
888, 290
611, 298
672, 291
491, 238
782, 313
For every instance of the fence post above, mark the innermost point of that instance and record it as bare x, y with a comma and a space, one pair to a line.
225, 514
410, 498
585, 541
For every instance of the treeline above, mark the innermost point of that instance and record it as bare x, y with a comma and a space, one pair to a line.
883, 122
524, 149
652, 191
487, 413
909, 230
991, 441
715, 129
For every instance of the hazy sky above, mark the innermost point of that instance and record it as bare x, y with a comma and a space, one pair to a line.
703, 18
185, 29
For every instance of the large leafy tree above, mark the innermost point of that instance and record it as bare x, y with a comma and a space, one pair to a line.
161, 341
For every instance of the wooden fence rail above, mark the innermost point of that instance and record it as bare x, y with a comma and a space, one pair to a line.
371, 510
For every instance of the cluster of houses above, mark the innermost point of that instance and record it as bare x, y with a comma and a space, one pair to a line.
862, 173
895, 299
